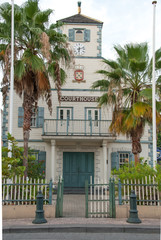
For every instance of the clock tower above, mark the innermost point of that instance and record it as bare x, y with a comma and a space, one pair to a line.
84, 34
79, 107
85, 38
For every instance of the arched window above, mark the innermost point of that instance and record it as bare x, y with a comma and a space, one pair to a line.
79, 35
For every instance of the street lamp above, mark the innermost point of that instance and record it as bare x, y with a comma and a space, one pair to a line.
153, 92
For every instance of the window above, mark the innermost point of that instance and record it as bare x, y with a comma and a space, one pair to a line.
93, 115
96, 118
89, 117
64, 114
37, 119
118, 159
61, 114
79, 35
33, 118
68, 114
123, 158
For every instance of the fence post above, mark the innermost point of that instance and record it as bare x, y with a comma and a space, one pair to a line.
112, 198
57, 201
86, 191
50, 192
120, 192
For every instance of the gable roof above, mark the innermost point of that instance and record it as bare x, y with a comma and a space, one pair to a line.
79, 18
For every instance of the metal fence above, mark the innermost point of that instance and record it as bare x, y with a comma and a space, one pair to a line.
100, 198
146, 190
21, 191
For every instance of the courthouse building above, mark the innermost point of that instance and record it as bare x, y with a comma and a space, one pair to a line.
75, 141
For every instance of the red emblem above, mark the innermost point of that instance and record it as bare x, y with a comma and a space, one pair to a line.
79, 75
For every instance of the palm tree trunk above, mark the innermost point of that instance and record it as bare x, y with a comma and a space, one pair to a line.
136, 145
27, 105
136, 156
25, 154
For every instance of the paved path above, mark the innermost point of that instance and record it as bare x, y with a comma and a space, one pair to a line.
74, 205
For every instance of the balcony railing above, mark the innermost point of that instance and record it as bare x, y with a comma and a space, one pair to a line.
76, 127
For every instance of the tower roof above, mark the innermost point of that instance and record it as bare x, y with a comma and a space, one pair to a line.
80, 18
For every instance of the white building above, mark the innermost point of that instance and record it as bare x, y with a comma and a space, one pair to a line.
75, 141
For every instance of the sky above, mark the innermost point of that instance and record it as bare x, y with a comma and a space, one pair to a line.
125, 21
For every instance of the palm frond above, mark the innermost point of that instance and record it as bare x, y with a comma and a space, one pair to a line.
35, 63
102, 84
43, 16
30, 8
19, 69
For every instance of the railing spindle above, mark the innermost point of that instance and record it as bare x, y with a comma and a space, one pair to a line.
150, 187
23, 181
30, 189
143, 191
154, 192
146, 182
34, 189
19, 189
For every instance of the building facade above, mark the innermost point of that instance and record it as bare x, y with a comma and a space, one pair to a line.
75, 141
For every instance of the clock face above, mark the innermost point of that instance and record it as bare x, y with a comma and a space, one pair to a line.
79, 49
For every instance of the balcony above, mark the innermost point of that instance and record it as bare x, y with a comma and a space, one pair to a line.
77, 127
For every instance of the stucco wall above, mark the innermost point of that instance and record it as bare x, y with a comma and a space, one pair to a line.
26, 211
122, 211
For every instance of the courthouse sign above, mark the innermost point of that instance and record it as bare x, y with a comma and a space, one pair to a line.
78, 99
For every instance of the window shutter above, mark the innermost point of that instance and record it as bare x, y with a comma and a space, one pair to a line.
42, 159
87, 35
131, 158
71, 35
114, 160
20, 116
40, 117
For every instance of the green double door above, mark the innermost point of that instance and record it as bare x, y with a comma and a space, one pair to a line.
77, 167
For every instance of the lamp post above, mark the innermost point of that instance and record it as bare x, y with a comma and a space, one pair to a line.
153, 92
11, 76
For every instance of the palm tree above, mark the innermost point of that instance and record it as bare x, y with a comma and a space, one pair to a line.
125, 83
39, 49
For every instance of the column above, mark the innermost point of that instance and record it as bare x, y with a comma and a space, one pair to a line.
53, 160
109, 164
104, 160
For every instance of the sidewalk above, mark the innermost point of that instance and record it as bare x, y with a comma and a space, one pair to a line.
93, 225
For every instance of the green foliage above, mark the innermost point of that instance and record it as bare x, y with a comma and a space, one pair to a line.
34, 167
127, 89
138, 172
12, 166
159, 140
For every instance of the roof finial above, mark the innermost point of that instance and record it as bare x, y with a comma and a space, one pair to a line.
79, 7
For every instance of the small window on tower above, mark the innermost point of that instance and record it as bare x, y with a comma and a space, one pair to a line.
79, 35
